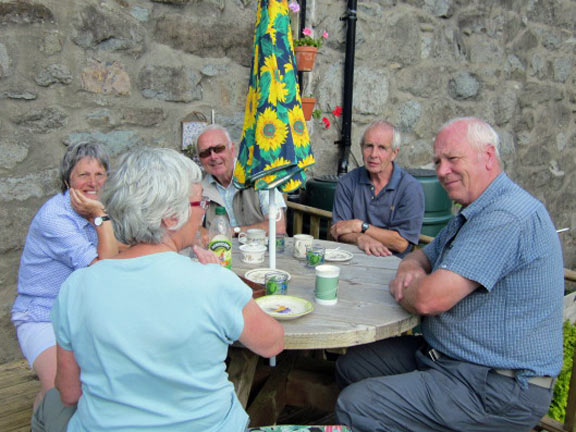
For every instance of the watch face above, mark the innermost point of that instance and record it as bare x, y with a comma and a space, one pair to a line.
99, 220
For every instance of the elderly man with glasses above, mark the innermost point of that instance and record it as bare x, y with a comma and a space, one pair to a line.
245, 208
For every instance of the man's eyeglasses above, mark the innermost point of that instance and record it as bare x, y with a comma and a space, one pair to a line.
216, 149
202, 203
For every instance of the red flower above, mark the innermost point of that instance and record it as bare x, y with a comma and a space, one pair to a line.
326, 122
337, 111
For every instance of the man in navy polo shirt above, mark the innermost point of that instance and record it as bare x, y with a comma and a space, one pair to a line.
490, 291
379, 206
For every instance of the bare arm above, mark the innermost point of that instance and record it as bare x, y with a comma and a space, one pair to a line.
266, 343
350, 231
67, 376
89, 209
424, 293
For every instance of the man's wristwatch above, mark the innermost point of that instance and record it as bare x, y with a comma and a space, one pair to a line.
237, 230
99, 220
365, 226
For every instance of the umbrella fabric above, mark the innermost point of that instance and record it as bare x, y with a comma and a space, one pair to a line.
275, 147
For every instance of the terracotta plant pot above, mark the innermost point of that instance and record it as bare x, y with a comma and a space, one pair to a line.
308, 107
305, 57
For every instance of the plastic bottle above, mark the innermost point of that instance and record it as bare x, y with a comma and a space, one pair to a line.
220, 234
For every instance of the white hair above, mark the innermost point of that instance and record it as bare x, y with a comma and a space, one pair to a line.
396, 136
218, 128
479, 134
149, 185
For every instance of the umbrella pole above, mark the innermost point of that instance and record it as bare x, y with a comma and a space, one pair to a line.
272, 242
272, 213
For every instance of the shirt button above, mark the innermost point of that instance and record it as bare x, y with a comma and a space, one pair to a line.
444, 266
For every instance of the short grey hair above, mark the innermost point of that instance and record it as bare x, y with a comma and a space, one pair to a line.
74, 154
149, 185
216, 127
479, 134
396, 136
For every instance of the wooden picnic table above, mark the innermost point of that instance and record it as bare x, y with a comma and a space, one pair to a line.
365, 312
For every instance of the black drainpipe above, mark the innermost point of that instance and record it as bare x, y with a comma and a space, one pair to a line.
345, 141
302, 25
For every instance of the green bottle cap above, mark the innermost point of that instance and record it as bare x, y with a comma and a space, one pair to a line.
220, 211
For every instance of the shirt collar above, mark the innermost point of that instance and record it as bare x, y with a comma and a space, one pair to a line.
70, 209
493, 190
392, 183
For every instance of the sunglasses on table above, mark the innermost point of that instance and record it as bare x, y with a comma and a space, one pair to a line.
217, 149
202, 203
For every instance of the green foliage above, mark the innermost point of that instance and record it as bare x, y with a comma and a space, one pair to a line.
316, 114
308, 41
558, 406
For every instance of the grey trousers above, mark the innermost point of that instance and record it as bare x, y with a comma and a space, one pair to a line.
52, 415
390, 386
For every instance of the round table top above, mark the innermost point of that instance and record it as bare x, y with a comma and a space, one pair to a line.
365, 312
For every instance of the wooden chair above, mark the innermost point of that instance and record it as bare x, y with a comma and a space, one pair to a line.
316, 217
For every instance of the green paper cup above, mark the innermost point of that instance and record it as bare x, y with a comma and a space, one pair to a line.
326, 286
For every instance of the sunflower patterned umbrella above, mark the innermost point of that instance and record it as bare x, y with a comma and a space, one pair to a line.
275, 148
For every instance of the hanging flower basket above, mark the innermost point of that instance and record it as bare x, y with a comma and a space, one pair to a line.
308, 107
305, 57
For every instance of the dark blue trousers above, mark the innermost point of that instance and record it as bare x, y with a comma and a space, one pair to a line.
391, 386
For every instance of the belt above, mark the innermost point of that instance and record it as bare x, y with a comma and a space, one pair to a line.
541, 381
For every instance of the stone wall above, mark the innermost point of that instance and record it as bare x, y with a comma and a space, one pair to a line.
126, 72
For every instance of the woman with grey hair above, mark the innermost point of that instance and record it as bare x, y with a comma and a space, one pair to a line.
70, 231
143, 337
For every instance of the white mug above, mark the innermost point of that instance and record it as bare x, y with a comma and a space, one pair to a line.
253, 253
301, 241
253, 235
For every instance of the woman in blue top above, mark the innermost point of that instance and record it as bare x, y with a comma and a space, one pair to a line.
68, 232
143, 337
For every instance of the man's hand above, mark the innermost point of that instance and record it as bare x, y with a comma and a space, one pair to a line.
372, 246
205, 256
86, 207
403, 279
346, 227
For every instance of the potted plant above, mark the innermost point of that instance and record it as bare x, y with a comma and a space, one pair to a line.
306, 48
308, 104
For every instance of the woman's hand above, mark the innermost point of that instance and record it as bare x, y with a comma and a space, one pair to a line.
84, 206
205, 256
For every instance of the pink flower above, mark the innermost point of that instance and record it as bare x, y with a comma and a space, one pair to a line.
326, 122
294, 6
325, 35
307, 31
337, 111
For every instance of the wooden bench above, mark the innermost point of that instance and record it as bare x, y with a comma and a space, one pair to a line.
18, 388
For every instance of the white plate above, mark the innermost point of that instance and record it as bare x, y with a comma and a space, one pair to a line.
283, 307
258, 275
338, 255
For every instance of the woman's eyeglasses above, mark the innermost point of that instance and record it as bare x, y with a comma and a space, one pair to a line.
202, 203
216, 149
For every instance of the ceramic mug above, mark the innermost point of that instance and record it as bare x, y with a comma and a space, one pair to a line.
253, 253
253, 236
301, 241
